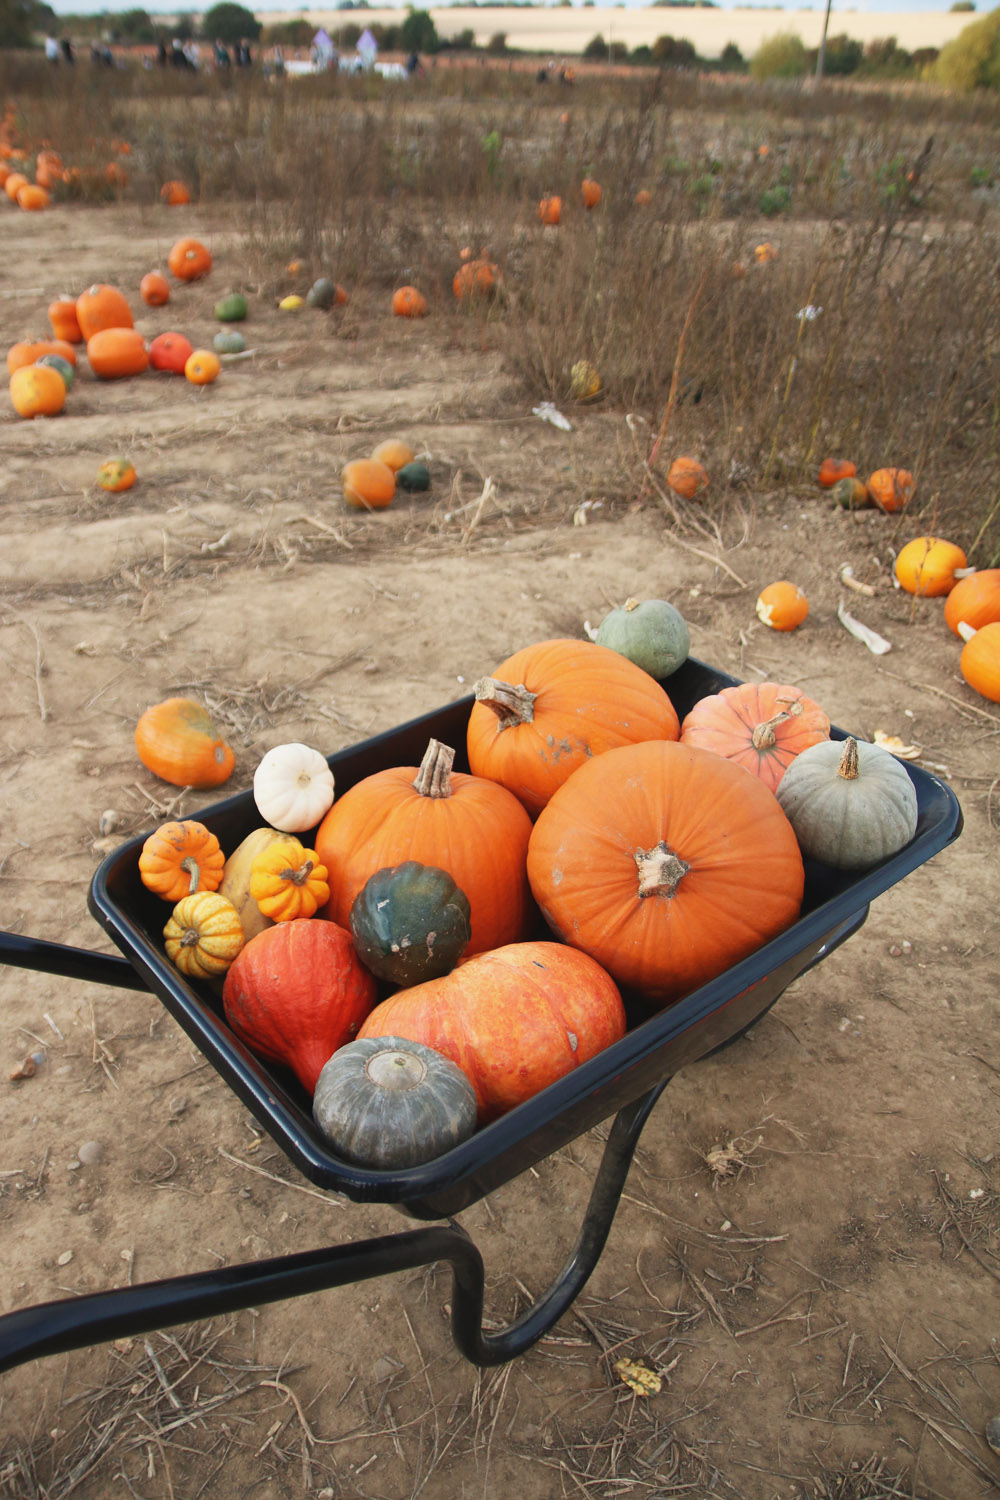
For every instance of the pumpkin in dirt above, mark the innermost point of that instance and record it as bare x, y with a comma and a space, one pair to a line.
189, 259
154, 289
13, 184
475, 278
388, 1103
202, 366
414, 478
203, 935
761, 726
37, 391
591, 192
550, 209
169, 352
116, 474
782, 606
232, 309
974, 600
851, 804
687, 478
553, 706
100, 307
394, 453
515, 1019
368, 484
470, 827
643, 198
665, 863
891, 489
297, 992
927, 566
179, 858
229, 341
178, 741
979, 662
175, 194
65, 324
117, 352
851, 494
407, 302
831, 470
28, 351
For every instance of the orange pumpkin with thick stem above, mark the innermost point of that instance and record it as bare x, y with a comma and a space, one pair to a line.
296, 993
178, 742
65, 324
189, 259
470, 827
891, 489
29, 351
102, 306
666, 864
117, 352
761, 726
154, 289
687, 478
179, 858
979, 662
554, 705
833, 469
974, 600
514, 1020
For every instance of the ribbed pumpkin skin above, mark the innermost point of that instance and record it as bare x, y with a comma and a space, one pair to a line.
589, 700
975, 599
744, 880
296, 993
387, 1102
725, 723
479, 835
514, 1019
849, 824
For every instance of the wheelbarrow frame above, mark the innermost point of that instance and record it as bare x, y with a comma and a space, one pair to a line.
625, 1081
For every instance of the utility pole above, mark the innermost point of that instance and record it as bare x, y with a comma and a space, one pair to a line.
821, 54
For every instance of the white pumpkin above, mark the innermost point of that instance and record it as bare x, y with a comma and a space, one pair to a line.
293, 788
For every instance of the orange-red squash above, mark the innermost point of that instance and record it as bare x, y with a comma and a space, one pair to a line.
666, 864
552, 706
514, 1019
464, 824
295, 993
761, 726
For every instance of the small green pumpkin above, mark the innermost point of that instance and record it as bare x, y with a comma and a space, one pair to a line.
852, 494
850, 804
231, 309
228, 341
389, 1103
410, 922
413, 476
64, 367
651, 633
321, 294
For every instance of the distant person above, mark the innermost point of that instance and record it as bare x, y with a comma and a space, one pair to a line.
68, 55
161, 53
52, 50
279, 62
221, 54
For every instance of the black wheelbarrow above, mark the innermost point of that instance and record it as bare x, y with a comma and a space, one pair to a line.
625, 1081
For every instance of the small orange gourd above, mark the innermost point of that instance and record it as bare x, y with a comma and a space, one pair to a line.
28, 351
178, 742
32, 197
368, 484
189, 259
550, 209
65, 325
175, 194
202, 367
407, 302
179, 858
288, 882
154, 289
116, 474
203, 935
393, 452
474, 278
782, 606
591, 192
832, 469
891, 489
37, 391
687, 478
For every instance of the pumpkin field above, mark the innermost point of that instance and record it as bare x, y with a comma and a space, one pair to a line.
376, 417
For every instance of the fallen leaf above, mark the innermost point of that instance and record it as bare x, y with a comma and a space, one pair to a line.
644, 1382
895, 746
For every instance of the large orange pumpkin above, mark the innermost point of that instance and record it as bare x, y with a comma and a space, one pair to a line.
552, 706
189, 259
762, 726
666, 864
514, 1019
833, 469
37, 391
102, 306
178, 742
117, 352
32, 197
464, 824
975, 599
368, 483
927, 565
408, 302
979, 663
295, 993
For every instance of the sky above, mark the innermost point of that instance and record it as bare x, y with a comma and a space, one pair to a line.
839, 7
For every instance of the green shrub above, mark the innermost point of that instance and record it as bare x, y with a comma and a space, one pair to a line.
972, 60
781, 56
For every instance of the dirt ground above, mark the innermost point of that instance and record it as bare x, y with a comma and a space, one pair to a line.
807, 1249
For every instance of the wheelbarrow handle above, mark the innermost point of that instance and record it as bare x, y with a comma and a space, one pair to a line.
78, 1322
71, 963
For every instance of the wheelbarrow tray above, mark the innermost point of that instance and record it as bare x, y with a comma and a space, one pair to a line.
654, 1048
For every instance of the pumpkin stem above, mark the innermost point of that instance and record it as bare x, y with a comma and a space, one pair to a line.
763, 736
512, 705
191, 865
630, 605
298, 875
848, 767
190, 938
434, 776
660, 870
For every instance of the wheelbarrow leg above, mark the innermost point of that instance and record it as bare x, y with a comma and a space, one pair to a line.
78, 1322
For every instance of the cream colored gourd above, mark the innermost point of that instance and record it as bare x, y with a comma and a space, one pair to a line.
293, 788
850, 804
235, 884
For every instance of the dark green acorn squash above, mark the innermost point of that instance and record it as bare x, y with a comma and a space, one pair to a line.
232, 309
410, 923
388, 1103
413, 476
321, 294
